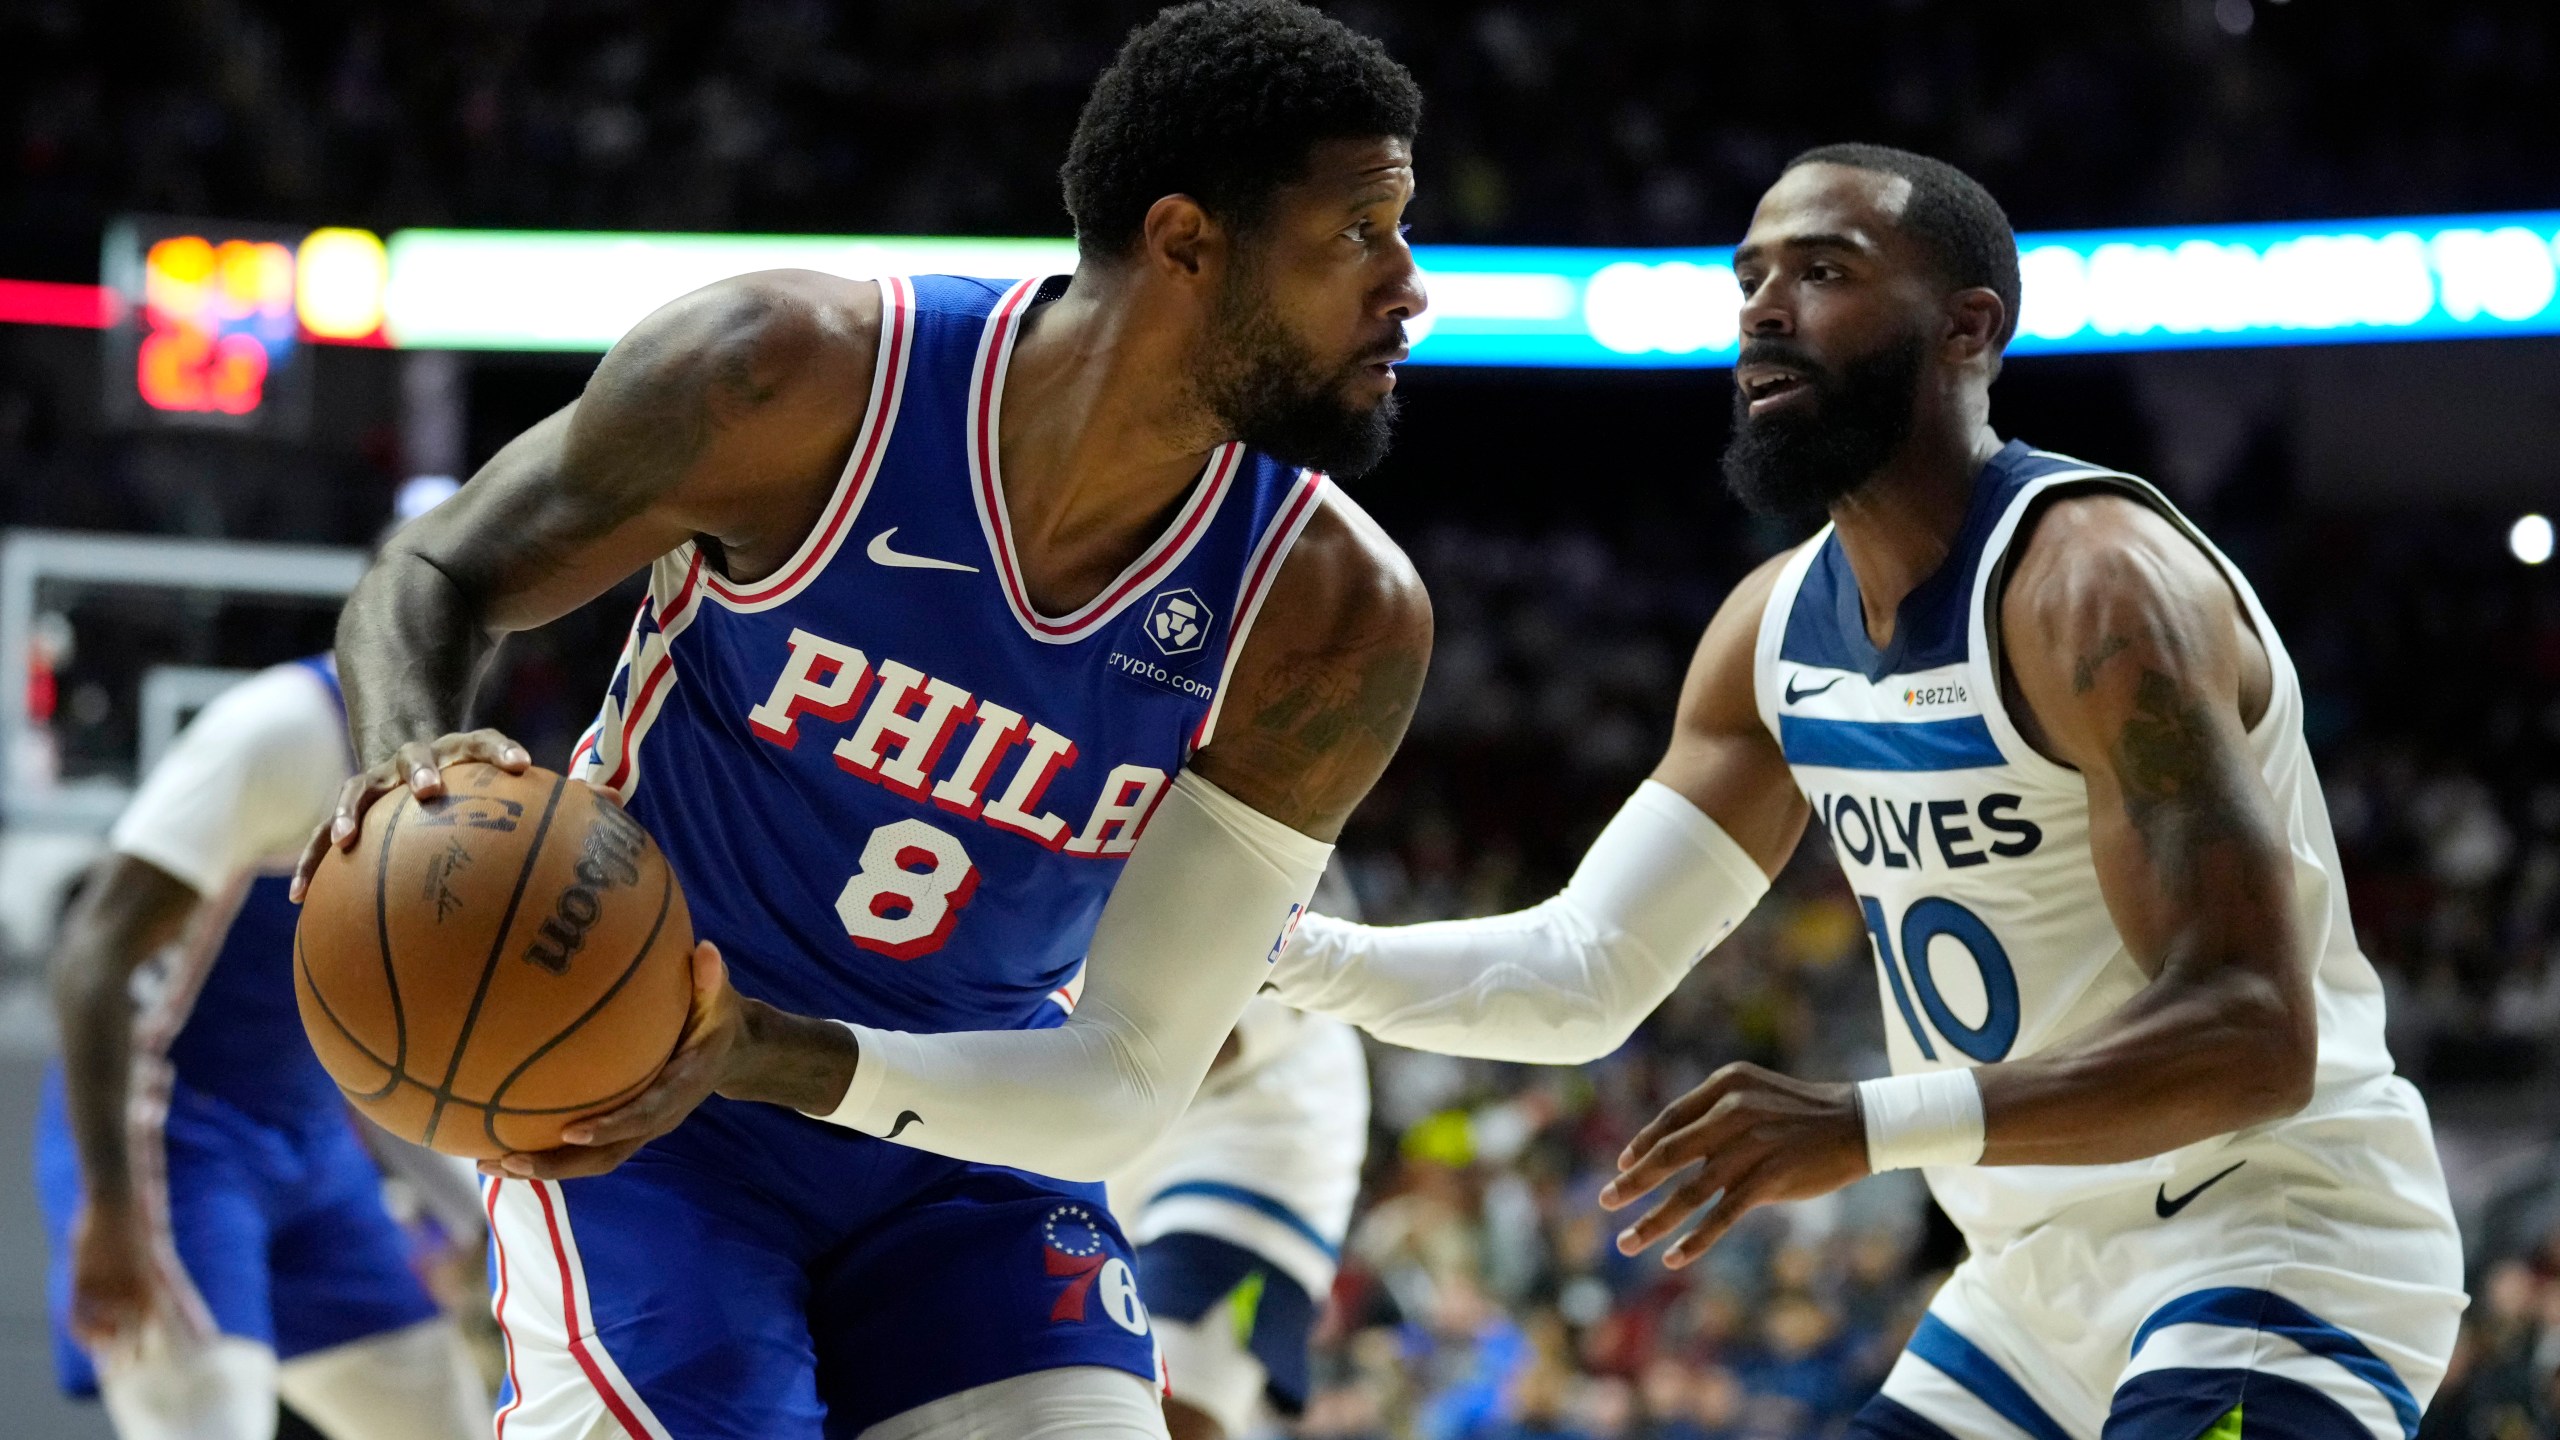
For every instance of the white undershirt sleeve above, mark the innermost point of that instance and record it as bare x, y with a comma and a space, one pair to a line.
248, 779
1564, 982
1203, 904
1266, 1030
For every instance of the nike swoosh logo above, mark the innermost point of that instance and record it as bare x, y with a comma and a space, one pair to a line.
881, 554
1794, 694
2167, 1207
909, 1117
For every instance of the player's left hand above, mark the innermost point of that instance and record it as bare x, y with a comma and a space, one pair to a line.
1755, 1136
703, 1055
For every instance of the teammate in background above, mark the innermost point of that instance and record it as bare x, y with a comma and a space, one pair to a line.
957, 587
1240, 1211
2058, 748
216, 1222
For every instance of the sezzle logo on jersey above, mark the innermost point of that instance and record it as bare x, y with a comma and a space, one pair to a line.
903, 736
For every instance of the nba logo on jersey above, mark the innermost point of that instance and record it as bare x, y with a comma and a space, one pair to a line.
1178, 622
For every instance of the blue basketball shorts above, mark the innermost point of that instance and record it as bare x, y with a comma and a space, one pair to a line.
266, 1231
1194, 1278
758, 1275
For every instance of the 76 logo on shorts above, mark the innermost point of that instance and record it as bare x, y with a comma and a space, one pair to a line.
1072, 1245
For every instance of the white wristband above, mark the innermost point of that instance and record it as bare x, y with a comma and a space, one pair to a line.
1932, 1118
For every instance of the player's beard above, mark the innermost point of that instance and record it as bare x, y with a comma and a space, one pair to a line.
1794, 463
1267, 389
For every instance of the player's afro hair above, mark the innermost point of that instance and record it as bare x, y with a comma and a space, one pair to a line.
1950, 213
1221, 100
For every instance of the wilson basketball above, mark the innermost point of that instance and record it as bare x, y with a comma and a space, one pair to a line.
485, 967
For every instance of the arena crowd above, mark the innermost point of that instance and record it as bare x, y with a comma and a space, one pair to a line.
1482, 1298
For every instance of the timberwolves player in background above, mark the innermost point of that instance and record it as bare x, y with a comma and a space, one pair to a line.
1240, 1211
217, 1227
2058, 749
991, 627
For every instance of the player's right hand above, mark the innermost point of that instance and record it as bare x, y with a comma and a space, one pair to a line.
418, 765
112, 1289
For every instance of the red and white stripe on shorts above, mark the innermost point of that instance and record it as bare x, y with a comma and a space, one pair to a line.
151, 1082
565, 1384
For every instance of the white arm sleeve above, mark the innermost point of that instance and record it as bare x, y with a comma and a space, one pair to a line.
247, 780
1561, 983
1205, 901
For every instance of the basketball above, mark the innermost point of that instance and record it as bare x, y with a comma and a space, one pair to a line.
485, 967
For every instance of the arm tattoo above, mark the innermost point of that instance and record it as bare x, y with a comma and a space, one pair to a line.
2177, 790
647, 417
418, 629
665, 416
1329, 726
2084, 675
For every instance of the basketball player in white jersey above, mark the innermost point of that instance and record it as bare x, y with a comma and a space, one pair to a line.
1240, 1211
218, 1230
2058, 749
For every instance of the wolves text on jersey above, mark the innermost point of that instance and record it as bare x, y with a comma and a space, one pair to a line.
907, 727
1900, 836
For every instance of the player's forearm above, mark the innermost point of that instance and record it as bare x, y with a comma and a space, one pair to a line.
791, 1060
1547, 985
2182, 1062
1182, 945
409, 643
131, 910
1078, 1102
1561, 983
94, 1008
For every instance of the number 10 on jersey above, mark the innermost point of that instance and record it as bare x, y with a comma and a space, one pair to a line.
1929, 919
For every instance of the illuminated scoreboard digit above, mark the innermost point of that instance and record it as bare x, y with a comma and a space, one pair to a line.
209, 334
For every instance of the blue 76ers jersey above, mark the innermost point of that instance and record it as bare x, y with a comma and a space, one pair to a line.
217, 1011
893, 792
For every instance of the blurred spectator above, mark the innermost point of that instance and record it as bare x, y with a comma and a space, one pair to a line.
1604, 120
1482, 1297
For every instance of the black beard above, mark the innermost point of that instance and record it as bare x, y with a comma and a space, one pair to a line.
1791, 466
1269, 392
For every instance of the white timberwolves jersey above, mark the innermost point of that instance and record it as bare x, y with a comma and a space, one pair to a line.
1268, 1156
1969, 849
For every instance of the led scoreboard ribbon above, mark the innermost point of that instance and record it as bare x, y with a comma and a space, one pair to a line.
2441, 277
2085, 291
210, 316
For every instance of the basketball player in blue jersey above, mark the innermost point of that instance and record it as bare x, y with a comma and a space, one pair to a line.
2058, 750
993, 629
217, 1227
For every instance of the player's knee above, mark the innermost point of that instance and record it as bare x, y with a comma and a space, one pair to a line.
1083, 1402
223, 1389
414, 1383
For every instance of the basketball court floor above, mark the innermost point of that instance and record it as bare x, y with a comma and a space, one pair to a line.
30, 1407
